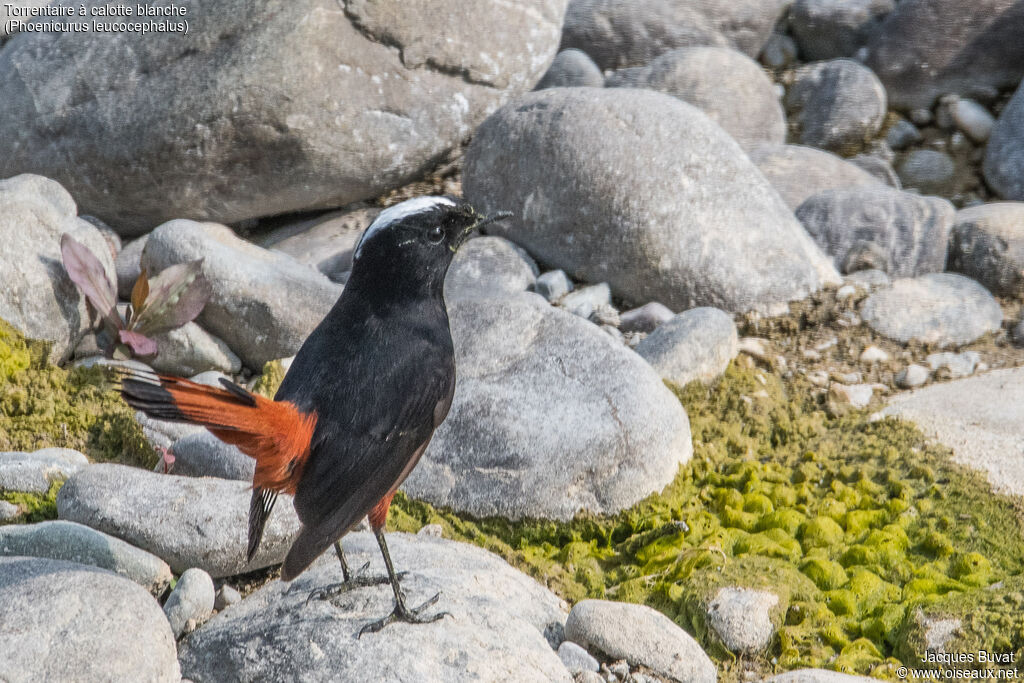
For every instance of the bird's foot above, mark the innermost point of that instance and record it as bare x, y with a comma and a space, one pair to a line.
357, 580
409, 616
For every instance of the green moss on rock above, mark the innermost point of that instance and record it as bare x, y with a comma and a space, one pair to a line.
34, 507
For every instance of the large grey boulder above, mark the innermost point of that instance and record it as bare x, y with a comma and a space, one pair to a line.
496, 631
71, 542
34, 472
798, 172
838, 105
488, 266
618, 34
987, 244
204, 455
695, 345
928, 48
644, 192
263, 108
939, 309
731, 88
979, 418
38, 298
1004, 155
186, 521
641, 636
826, 29
62, 621
551, 416
264, 303
900, 233
325, 242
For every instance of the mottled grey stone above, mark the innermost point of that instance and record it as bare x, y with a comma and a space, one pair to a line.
912, 376
596, 178
551, 416
572, 68
779, 52
742, 618
34, 472
641, 636
264, 303
948, 365
189, 350
325, 242
584, 301
187, 522
204, 455
63, 621
928, 48
838, 105
128, 268
900, 233
264, 109
1004, 155
553, 285
646, 318
191, 602
71, 542
694, 345
941, 309
9, 511
987, 244
903, 134
226, 596
731, 88
798, 172
576, 658
826, 29
973, 119
495, 632
487, 266
38, 298
928, 171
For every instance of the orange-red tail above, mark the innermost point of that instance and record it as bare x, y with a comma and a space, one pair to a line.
275, 433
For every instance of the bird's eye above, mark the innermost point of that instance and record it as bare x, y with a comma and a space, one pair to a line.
435, 234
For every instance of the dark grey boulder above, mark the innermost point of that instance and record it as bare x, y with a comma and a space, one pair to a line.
900, 233
928, 170
987, 244
1004, 155
263, 108
827, 29
618, 34
928, 48
644, 192
572, 68
731, 88
838, 105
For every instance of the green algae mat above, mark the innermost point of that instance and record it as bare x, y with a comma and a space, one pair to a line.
863, 529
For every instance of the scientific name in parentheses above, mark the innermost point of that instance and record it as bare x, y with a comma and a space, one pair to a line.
17, 11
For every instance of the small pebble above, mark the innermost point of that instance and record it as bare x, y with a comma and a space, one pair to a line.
8, 511
605, 314
902, 135
619, 669
646, 318
191, 602
873, 354
846, 292
584, 301
431, 530
843, 397
912, 376
226, 597
588, 677
576, 658
948, 365
553, 285
973, 119
754, 346
779, 52
927, 171
921, 117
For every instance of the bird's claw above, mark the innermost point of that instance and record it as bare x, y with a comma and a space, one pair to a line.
409, 616
335, 589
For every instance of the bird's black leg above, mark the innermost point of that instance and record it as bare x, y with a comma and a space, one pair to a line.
401, 612
350, 582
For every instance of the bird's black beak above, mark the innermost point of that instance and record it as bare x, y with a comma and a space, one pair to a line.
493, 218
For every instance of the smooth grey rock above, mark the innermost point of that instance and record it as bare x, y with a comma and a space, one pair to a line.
928, 48
640, 635
779, 52
71, 542
731, 88
928, 171
826, 29
879, 168
646, 318
226, 597
162, 433
604, 206
495, 631
950, 365
903, 134
979, 418
264, 303
572, 68
838, 105
189, 350
188, 522
940, 309
211, 378
1004, 155
583, 301
912, 376
204, 455
325, 242
617, 34
553, 285
9, 511
798, 172
576, 658
320, 107
551, 416
63, 621
742, 618
128, 268
487, 266
694, 345
34, 472
873, 354
817, 676
987, 244
190, 604
973, 119
900, 233
38, 298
